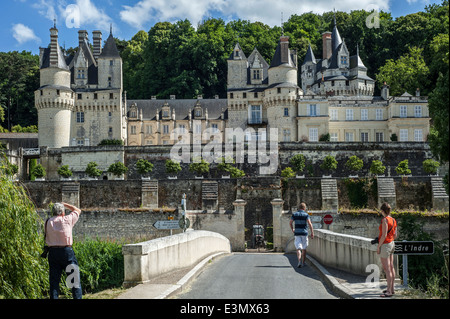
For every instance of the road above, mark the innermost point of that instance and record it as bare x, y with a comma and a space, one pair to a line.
256, 276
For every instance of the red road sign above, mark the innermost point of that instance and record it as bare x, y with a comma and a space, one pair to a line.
328, 219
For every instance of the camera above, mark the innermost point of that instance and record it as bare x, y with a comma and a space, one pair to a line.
45, 252
374, 241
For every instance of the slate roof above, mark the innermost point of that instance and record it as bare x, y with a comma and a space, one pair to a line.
61, 59
110, 49
182, 107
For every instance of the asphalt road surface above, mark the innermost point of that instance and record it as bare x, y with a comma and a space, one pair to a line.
256, 276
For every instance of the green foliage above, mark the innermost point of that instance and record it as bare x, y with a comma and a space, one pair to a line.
402, 168
110, 142
172, 167
329, 163
298, 162
422, 269
143, 166
39, 171
357, 190
23, 273
430, 166
354, 163
199, 166
236, 172
117, 168
287, 173
406, 73
225, 164
64, 171
377, 167
92, 170
101, 264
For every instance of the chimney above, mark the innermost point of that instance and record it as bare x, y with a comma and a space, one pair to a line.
385, 91
82, 35
326, 44
418, 92
54, 47
284, 46
97, 39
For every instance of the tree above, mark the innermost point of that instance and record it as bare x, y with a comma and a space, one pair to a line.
298, 162
117, 168
23, 273
430, 166
287, 173
329, 163
172, 167
403, 168
65, 171
377, 167
143, 166
405, 74
92, 170
354, 163
39, 171
200, 167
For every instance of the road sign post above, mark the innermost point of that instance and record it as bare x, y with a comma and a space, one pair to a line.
406, 248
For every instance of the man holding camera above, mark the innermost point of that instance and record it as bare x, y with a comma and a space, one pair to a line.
61, 257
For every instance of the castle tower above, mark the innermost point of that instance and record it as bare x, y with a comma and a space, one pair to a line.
54, 100
237, 69
308, 69
283, 68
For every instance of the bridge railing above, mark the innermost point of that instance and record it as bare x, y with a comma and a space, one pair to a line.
146, 260
341, 251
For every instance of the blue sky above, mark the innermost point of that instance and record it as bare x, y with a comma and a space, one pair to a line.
25, 24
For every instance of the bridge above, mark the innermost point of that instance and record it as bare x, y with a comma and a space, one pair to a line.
169, 267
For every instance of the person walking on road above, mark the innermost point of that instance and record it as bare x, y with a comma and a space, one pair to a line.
299, 223
61, 257
386, 246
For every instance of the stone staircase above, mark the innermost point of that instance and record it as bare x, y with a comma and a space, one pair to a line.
386, 191
210, 195
329, 194
440, 197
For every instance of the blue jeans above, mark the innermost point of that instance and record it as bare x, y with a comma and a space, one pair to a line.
59, 260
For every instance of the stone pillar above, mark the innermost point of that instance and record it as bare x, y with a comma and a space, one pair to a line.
149, 194
330, 199
277, 210
239, 212
71, 193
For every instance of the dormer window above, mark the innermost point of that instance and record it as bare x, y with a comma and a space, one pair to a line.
256, 75
344, 59
198, 112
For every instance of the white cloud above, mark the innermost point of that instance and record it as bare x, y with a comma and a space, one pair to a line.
266, 11
23, 33
61, 10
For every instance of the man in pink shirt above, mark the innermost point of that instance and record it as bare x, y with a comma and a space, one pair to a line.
61, 257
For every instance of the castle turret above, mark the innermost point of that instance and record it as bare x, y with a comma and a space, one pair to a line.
54, 99
110, 66
283, 68
237, 68
308, 69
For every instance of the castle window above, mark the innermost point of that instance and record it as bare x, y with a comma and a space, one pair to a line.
111, 96
418, 111
256, 74
364, 115
133, 130
312, 110
255, 114
244, 95
349, 115
80, 96
314, 134
109, 81
403, 110
80, 117
57, 92
165, 129
379, 114
215, 128
418, 135
286, 111
111, 62
343, 59
231, 95
95, 96
364, 136
403, 135
198, 112
279, 90
255, 94
42, 92
379, 137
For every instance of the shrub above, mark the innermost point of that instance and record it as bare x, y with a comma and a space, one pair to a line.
172, 167
354, 163
64, 171
143, 166
200, 167
298, 162
101, 264
329, 163
92, 170
110, 142
236, 172
377, 167
39, 171
225, 164
430, 166
117, 168
402, 168
287, 173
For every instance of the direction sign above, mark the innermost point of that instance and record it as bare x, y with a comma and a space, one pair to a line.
414, 248
316, 218
167, 224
